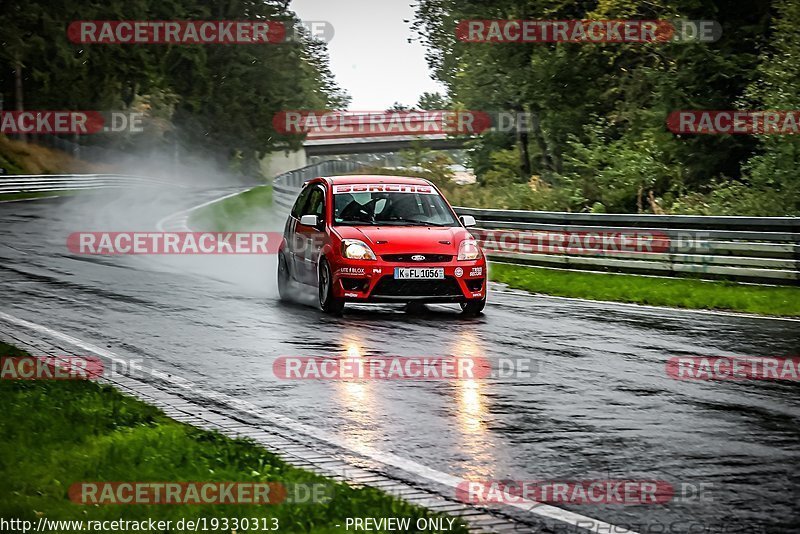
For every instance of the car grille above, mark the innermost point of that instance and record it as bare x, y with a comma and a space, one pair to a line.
406, 258
389, 287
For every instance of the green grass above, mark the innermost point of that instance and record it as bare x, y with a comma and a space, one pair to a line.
242, 212
655, 291
56, 433
36, 194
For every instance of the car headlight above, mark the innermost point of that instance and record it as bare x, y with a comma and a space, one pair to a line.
355, 249
469, 250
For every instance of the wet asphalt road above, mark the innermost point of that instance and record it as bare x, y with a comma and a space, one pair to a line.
599, 405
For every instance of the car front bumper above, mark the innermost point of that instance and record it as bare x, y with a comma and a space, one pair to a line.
374, 281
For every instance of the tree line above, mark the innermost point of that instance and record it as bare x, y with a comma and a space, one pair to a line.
216, 99
598, 140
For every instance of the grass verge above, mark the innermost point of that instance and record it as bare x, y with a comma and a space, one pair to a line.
674, 292
238, 213
56, 433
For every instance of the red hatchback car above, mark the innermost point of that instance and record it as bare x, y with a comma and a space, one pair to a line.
380, 239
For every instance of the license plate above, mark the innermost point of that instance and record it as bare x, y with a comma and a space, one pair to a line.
418, 273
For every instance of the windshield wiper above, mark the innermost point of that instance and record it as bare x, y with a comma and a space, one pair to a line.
356, 222
415, 222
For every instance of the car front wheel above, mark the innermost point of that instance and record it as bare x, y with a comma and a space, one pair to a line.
284, 279
327, 302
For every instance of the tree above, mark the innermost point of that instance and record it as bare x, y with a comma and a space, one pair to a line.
772, 171
433, 102
224, 97
397, 106
596, 112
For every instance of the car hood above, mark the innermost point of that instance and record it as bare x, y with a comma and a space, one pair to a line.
407, 239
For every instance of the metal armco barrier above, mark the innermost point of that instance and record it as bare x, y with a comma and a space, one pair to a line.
757, 249
30, 183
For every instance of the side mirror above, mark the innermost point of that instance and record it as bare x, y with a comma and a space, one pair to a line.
309, 220
468, 220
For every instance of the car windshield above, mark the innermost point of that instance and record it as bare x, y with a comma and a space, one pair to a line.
392, 209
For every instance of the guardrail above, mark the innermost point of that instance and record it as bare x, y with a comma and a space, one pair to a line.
30, 183
755, 249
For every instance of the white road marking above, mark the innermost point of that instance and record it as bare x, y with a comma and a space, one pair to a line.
187, 212
30, 199
410, 466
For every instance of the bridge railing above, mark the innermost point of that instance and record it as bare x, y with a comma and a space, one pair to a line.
756, 249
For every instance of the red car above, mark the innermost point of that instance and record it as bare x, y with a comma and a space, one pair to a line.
380, 239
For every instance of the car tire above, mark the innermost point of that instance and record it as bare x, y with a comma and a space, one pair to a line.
473, 307
327, 302
284, 279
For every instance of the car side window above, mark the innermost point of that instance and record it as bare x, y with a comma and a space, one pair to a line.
315, 204
300, 202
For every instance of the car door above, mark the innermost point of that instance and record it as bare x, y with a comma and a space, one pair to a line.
293, 241
310, 238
